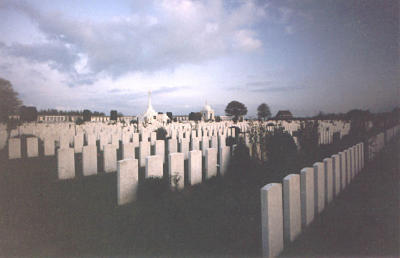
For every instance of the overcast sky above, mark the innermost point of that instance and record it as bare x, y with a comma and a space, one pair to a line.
306, 56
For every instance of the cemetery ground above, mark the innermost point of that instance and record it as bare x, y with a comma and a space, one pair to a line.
41, 216
364, 220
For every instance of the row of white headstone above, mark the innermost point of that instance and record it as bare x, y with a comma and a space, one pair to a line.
288, 208
128, 169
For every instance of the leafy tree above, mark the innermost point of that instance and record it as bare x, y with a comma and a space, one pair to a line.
263, 111
79, 121
236, 109
87, 115
28, 114
113, 115
161, 133
169, 114
195, 116
9, 102
218, 119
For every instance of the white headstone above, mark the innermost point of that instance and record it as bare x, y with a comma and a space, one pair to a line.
194, 144
176, 169
205, 144
14, 148
32, 148
291, 207
172, 146
319, 187
49, 146
211, 162
65, 163
195, 167
328, 179
89, 160
154, 166
128, 151
343, 167
144, 151
110, 158
224, 159
307, 195
271, 220
160, 149
127, 180
78, 143
336, 174
184, 148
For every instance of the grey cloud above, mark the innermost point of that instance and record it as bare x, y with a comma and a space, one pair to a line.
137, 43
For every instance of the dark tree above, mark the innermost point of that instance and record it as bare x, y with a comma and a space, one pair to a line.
113, 115
263, 111
195, 116
161, 133
87, 115
218, 119
9, 102
236, 109
28, 114
169, 114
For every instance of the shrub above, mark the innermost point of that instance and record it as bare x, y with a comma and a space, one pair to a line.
161, 133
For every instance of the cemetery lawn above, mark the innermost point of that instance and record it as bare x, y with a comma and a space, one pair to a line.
41, 216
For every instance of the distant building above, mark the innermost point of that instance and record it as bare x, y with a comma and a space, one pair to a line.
181, 118
226, 118
14, 117
208, 113
284, 115
151, 115
100, 119
53, 118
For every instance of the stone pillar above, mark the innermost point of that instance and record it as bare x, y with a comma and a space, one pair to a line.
319, 187
195, 167
291, 207
144, 151
307, 195
89, 160
65, 163
224, 159
271, 220
127, 180
14, 148
154, 166
176, 170
110, 158
211, 162
32, 148
328, 180
336, 174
